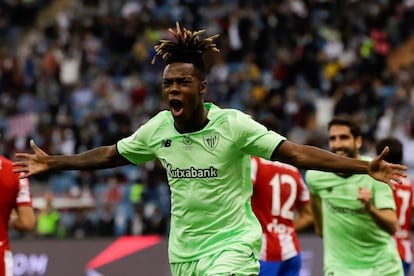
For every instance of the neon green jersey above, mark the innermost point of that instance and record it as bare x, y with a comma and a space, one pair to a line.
209, 178
351, 239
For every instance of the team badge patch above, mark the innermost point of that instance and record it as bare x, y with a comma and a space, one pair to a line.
211, 140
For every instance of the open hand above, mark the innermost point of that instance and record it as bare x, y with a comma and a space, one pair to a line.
32, 163
386, 172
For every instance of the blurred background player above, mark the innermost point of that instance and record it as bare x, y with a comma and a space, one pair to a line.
354, 214
15, 211
281, 203
403, 195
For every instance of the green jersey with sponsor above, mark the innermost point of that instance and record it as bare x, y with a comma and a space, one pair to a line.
209, 177
351, 239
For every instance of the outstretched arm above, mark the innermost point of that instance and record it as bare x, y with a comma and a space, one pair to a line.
39, 161
309, 157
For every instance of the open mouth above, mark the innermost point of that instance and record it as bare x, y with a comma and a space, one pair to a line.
176, 107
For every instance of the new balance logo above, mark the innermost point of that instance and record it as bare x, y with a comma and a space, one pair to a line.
166, 143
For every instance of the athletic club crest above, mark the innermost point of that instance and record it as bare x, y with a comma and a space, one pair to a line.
211, 140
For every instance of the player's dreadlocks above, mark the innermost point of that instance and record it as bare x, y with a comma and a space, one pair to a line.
187, 47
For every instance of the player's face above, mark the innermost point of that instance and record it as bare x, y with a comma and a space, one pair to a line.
342, 142
183, 91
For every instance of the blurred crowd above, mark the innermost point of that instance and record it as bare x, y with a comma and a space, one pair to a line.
85, 79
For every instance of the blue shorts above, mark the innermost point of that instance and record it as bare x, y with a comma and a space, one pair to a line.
290, 267
406, 267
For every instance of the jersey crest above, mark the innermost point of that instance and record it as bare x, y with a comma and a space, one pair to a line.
211, 140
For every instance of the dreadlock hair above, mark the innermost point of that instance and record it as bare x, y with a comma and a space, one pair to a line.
187, 47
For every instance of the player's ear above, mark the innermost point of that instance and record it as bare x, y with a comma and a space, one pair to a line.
203, 87
358, 141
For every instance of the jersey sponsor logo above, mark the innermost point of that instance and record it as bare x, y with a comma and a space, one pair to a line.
166, 143
211, 140
344, 210
191, 172
275, 227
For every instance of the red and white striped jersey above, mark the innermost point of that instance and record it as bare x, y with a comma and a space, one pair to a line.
403, 195
14, 192
278, 189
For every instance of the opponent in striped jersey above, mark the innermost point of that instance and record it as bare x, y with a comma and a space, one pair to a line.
403, 196
279, 192
16, 198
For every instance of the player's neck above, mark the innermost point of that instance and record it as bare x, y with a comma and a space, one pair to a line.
198, 122
346, 175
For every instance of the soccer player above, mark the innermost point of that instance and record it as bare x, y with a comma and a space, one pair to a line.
354, 214
15, 211
281, 203
403, 195
205, 151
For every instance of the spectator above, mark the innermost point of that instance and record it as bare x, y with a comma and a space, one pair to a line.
48, 220
106, 220
136, 225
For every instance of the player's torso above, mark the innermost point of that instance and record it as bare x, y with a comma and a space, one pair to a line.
347, 227
277, 191
8, 191
342, 192
341, 207
209, 178
206, 172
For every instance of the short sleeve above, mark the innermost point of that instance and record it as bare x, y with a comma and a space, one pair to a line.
253, 138
135, 148
383, 196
